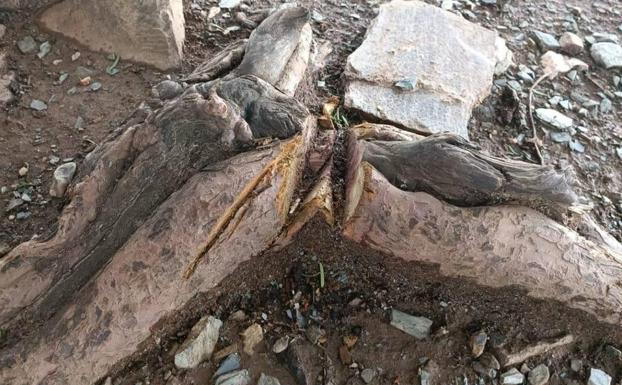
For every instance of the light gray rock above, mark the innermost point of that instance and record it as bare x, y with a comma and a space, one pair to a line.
503, 56
539, 375
598, 377
229, 3
280, 345
199, 344
240, 377
148, 31
608, 55
167, 89
62, 177
418, 327
267, 380
571, 43
367, 375
38, 105
6, 95
44, 49
512, 377
554, 118
452, 60
546, 41
560, 137
231, 363
27, 44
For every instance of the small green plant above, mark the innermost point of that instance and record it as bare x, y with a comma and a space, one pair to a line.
339, 119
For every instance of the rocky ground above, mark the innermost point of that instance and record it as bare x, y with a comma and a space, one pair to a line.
334, 304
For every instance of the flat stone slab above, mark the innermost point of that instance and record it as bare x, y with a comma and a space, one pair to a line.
148, 31
421, 68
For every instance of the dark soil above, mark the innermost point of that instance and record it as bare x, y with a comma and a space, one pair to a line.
361, 287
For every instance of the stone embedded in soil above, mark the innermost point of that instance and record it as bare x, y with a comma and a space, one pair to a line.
280, 345
576, 365
539, 375
598, 377
512, 377
150, 31
240, 377
546, 41
167, 89
27, 44
489, 361
478, 343
483, 370
199, 344
61, 179
229, 3
418, 327
231, 363
303, 361
367, 375
608, 55
38, 105
251, 337
571, 43
554, 118
452, 60
267, 380
560, 137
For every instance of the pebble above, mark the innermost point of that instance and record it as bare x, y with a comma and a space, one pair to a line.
267, 380
2, 30
53, 160
576, 365
512, 377
576, 146
240, 377
200, 343
23, 215
571, 43
96, 86
251, 337
44, 49
75, 56
489, 361
27, 44
23, 171
606, 105
598, 377
229, 3
79, 123
280, 345
238, 316
167, 89
368, 375
608, 55
539, 375
418, 327
554, 118
62, 177
546, 41
483, 370
231, 363
13, 204
406, 85
560, 137
478, 343
62, 78
38, 105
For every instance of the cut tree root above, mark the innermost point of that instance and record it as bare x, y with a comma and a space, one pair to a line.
179, 190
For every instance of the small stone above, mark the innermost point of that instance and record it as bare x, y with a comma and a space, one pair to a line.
27, 44
554, 118
317, 17
62, 78
44, 49
576, 146
608, 55
350, 341
53, 160
368, 375
229, 3
79, 123
96, 86
13, 204
23, 215
38, 105
489, 361
225, 352
62, 177
603, 37
546, 41
23, 171
231, 363
199, 344
418, 327
85, 81
251, 337
26, 198
267, 380
478, 343
2, 30
571, 43
315, 334
539, 375
75, 56
425, 377
613, 352
280, 345
483, 370
512, 377
576, 365
406, 85
238, 316
598, 377
213, 12
606, 105
560, 137
240, 377
167, 89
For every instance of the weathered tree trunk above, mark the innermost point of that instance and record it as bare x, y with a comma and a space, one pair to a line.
181, 194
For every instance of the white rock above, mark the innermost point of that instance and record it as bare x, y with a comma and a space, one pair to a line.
200, 343
450, 60
539, 375
503, 56
598, 377
608, 55
229, 3
239, 377
62, 177
554, 118
512, 377
267, 380
571, 43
